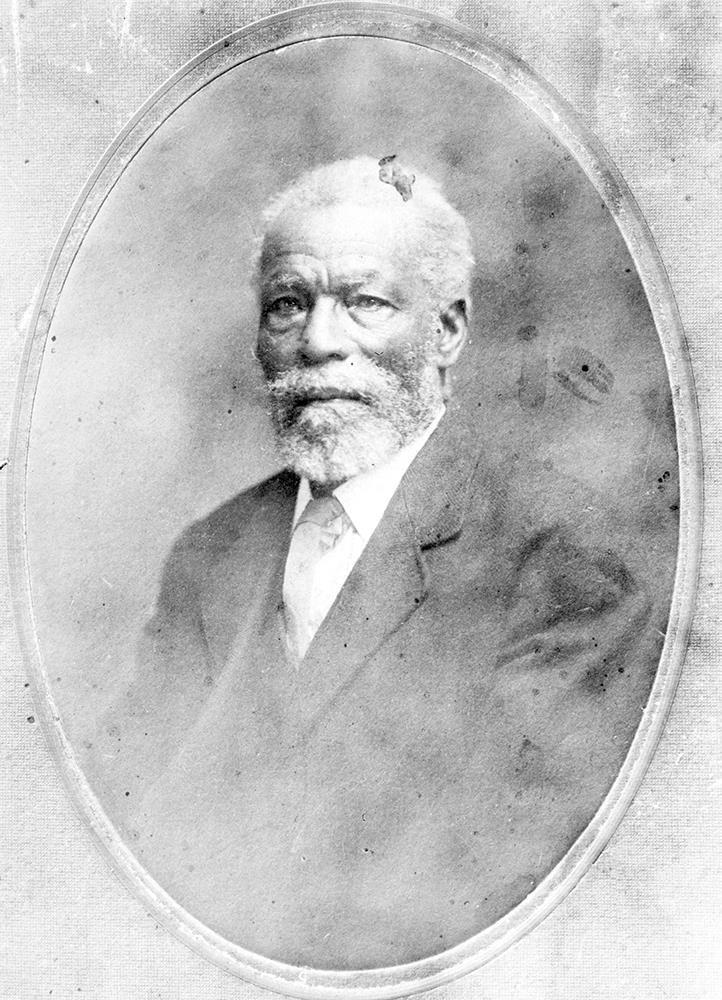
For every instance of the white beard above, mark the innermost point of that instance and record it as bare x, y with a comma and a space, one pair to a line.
331, 440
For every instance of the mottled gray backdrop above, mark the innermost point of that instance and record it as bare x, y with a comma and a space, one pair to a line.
149, 410
171, 267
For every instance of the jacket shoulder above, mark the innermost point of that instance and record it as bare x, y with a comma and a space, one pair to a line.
223, 525
206, 540
561, 544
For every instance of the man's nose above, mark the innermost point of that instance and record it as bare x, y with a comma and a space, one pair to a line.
324, 337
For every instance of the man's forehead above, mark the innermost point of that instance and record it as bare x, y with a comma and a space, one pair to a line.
345, 229
294, 267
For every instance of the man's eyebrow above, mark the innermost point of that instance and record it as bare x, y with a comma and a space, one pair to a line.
380, 282
282, 280
343, 284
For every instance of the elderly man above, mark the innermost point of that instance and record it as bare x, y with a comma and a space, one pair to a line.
383, 691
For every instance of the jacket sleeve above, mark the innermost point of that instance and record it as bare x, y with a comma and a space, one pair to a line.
145, 726
579, 658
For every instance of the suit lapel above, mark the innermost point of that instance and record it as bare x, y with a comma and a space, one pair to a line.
437, 485
390, 581
240, 598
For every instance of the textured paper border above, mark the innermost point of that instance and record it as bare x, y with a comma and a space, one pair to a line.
386, 22
702, 640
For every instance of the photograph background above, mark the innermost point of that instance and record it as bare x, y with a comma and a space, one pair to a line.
149, 410
642, 922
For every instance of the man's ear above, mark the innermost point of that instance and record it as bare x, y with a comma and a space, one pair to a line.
453, 330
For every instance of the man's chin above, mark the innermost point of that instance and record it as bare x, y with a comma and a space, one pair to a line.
327, 449
330, 415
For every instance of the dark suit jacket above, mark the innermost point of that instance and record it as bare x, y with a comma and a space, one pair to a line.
457, 720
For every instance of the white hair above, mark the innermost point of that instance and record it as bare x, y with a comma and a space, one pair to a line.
438, 233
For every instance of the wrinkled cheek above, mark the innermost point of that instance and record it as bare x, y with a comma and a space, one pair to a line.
275, 355
407, 361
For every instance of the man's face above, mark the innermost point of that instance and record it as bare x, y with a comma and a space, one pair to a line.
346, 340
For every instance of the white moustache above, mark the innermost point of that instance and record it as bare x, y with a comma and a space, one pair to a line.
363, 382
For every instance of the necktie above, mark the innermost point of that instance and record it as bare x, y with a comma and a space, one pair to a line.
317, 531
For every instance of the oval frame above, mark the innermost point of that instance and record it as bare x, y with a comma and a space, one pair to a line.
451, 39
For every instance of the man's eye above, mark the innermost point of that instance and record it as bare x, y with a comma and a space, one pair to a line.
370, 303
285, 306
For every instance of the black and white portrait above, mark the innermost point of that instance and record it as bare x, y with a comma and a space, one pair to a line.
352, 502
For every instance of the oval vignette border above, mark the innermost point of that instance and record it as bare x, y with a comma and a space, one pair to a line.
455, 41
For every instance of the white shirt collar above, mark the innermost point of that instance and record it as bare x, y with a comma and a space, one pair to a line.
366, 496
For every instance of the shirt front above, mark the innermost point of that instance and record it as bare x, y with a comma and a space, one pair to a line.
364, 499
